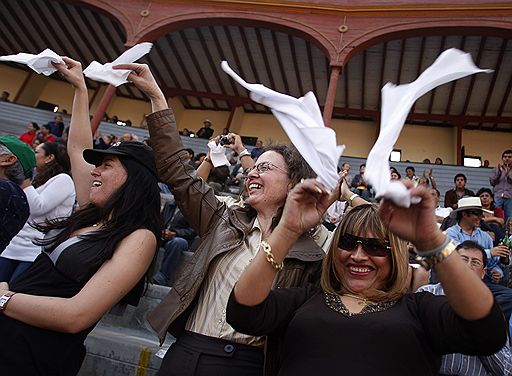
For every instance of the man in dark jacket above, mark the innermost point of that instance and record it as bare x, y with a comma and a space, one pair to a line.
178, 237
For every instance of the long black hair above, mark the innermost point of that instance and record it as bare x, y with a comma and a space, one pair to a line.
135, 205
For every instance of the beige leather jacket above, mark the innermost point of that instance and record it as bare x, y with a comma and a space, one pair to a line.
221, 228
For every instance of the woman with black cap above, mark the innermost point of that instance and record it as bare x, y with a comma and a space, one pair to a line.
90, 261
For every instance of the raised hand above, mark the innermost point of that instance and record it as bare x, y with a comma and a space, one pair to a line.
72, 72
305, 206
143, 79
416, 224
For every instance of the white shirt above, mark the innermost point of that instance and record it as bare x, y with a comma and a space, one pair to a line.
53, 199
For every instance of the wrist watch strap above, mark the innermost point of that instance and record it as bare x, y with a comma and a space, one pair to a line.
4, 299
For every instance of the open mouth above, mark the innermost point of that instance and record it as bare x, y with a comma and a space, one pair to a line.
255, 186
96, 183
360, 270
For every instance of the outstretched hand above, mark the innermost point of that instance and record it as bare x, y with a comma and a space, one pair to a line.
72, 72
143, 79
305, 206
417, 223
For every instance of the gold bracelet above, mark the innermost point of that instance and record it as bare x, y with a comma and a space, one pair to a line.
351, 198
270, 256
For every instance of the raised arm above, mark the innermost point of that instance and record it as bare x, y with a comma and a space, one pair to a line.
196, 199
108, 285
466, 293
304, 208
80, 133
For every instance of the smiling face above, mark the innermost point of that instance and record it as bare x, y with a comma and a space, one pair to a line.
360, 272
269, 188
107, 179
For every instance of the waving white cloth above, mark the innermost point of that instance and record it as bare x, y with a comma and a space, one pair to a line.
218, 154
302, 121
40, 63
397, 101
104, 72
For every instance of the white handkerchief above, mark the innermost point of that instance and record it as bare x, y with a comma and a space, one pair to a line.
302, 121
104, 72
218, 154
397, 101
40, 63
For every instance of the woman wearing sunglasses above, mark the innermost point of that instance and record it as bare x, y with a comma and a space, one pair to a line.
361, 321
232, 235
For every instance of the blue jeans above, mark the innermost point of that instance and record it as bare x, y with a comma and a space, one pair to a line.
505, 204
10, 269
173, 257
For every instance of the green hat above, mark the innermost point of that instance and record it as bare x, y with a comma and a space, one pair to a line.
22, 151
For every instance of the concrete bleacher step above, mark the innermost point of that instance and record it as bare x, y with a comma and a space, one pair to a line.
125, 345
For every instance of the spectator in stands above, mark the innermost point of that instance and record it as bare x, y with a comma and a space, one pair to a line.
496, 215
206, 131
501, 180
36, 142
127, 137
441, 213
17, 161
92, 260
348, 178
360, 186
57, 126
190, 156
438, 161
185, 132
426, 161
498, 364
258, 150
50, 196
30, 134
230, 236
469, 212
5, 96
362, 316
178, 237
452, 196
199, 158
395, 175
44, 134
410, 173
218, 177
486, 163
430, 181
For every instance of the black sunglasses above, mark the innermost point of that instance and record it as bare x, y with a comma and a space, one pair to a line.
372, 246
477, 213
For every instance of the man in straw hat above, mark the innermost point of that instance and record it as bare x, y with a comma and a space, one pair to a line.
17, 160
469, 212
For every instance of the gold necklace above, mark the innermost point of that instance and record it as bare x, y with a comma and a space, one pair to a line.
361, 302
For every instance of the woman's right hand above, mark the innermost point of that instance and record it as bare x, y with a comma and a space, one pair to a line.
72, 72
142, 78
304, 208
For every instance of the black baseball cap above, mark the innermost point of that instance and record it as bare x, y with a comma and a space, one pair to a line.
135, 150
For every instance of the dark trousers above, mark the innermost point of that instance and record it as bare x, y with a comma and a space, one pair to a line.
196, 355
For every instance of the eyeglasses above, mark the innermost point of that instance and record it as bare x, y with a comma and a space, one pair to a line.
372, 246
477, 213
474, 263
264, 167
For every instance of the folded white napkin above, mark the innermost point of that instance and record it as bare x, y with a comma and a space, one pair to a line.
40, 63
397, 101
218, 154
302, 121
104, 72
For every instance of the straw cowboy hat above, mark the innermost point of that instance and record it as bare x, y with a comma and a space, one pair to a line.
468, 203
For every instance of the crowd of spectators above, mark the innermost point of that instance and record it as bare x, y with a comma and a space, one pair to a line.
259, 222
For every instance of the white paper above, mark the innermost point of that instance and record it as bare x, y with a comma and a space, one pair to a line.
397, 101
218, 154
104, 72
302, 121
40, 63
